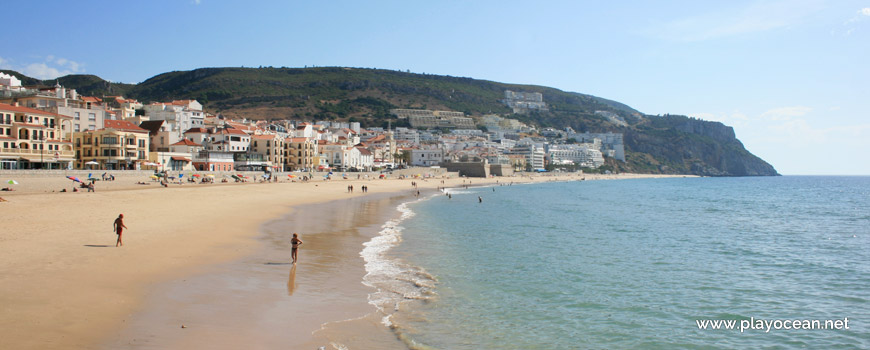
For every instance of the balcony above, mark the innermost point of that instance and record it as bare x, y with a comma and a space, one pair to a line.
36, 155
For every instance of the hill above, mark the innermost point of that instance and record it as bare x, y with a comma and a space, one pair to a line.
654, 144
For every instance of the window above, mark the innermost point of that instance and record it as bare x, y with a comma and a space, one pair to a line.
77, 128
77, 116
107, 140
92, 116
92, 127
141, 143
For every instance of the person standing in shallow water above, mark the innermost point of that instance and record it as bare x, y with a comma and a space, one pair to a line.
119, 229
295, 242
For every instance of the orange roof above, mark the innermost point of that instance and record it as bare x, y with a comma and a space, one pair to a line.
297, 139
263, 137
196, 130
233, 131
91, 99
122, 125
185, 142
19, 109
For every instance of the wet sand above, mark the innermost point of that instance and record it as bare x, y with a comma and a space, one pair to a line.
264, 301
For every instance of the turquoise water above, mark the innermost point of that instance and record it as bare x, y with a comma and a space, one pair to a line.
634, 264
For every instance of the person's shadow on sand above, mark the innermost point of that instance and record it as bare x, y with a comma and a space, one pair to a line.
97, 246
291, 281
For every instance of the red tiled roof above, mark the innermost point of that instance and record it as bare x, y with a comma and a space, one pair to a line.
91, 99
11, 108
197, 130
233, 131
296, 139
122, 125
185, 142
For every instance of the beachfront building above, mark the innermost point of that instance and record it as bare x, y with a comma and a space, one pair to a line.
341, 157
366, 159
32, 139
300, 154
88, 113
230, 140
120, 145
427, 157
213, 161
534, 154
175, 161
271, 147
585, 155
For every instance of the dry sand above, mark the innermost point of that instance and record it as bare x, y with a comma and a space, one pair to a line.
65, 285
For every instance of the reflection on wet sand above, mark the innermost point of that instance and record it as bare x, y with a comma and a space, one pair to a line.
291, 281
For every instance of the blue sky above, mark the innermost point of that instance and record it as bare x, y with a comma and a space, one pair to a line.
791, 77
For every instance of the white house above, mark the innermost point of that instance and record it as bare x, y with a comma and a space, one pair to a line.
427, 157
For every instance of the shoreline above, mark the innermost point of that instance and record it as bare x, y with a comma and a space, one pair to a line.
68, 287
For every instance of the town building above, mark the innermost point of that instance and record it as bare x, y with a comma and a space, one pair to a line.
300, 154
33, 139
427, 157
120, 145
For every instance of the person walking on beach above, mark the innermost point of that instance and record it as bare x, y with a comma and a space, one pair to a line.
119, 229
295, 242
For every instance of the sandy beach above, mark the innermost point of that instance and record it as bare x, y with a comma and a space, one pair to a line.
66, 285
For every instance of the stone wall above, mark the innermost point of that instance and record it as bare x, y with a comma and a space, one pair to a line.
468, 169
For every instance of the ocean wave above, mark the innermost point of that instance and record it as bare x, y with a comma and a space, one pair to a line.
395, 281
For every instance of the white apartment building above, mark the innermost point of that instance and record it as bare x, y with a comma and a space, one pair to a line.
180, 115
405, 134
533, 153
584, 155
427, 157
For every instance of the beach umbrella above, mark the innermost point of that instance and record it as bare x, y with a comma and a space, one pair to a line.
210, 175
196, 175
92, 163
180, 175
12, 182
155, 177
74, 178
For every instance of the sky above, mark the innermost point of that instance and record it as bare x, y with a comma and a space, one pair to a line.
791, 76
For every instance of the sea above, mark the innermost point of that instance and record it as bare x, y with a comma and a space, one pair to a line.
629, 264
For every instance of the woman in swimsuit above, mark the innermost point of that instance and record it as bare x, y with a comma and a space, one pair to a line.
295, 242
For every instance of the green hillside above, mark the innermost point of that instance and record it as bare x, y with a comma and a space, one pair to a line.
669, 144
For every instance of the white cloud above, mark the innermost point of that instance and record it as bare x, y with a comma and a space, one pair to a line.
757, 17
865, 11
786, 113
52, 67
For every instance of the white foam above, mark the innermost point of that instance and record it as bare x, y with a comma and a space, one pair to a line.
394, 280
